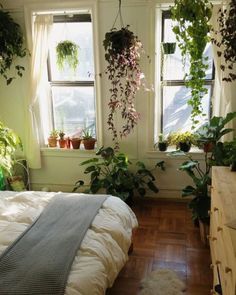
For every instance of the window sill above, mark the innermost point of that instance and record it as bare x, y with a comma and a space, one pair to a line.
67, 153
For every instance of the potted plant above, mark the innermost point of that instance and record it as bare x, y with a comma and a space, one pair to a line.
182, 140
88, 139
62, 140
52, 139
11, 47
192, 34
112, 172
168, 47
162, 143
227, 39
9, 142
122, 53
75, 141
67, 54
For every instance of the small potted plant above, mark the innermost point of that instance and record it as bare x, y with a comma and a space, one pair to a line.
182, 140
75, 141
162, 143
52, 139
88, 139
67, 53
168, 47
62, 140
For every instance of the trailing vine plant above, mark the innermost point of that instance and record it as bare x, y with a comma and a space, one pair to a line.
192, 33
227, 43
11, 46
122, 52
67, 53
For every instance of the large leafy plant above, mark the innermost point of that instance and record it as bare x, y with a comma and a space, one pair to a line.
122, 53
226, 42
191, 30
9, 142
112, 173
67, 54
11, 47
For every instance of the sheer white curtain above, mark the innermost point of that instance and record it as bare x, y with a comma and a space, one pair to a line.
224, 100
39, 102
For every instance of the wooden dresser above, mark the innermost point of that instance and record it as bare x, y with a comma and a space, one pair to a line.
222, 237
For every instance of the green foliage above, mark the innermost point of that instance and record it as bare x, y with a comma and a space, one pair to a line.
185, 137
191, 31
11, 46
67, 53
61, 134
112, 172
9, 142
54, 133
87, 134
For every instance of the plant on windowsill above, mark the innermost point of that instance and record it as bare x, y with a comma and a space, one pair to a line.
67, 54
225, 40
162, 143
76, 141
182, 140
62, 140
112, 173
192, 33
88, 139
9, 142
52, 139
11, 46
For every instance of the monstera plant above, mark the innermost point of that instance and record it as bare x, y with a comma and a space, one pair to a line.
11, 47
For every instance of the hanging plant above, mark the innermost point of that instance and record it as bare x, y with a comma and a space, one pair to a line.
191, 30
168, 47
122, 52
11, 47
67, 53
227, 44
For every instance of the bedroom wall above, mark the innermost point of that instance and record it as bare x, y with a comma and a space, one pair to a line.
61, 168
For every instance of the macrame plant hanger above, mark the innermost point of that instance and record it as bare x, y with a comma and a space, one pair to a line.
120, 17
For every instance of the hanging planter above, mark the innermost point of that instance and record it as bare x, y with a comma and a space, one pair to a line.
122, 53
11, 47
67, 54
168, 47
192, 33
227, 44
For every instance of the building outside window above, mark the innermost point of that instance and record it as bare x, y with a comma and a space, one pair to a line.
175, 113
72, 91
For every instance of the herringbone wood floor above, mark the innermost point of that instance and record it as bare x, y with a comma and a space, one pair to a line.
166, 238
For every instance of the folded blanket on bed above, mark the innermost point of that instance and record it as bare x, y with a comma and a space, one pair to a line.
39, 261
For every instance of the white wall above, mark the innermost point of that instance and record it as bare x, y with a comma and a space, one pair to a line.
60, 169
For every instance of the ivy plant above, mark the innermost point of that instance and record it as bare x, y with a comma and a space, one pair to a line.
11, 47
227, 39
191, 30
67, 53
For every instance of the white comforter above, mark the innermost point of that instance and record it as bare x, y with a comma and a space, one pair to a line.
103, 251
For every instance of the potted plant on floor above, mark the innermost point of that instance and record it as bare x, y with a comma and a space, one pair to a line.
162, 143
11, 47
52, 139
67, 54
113, 173
88, 139
9, 142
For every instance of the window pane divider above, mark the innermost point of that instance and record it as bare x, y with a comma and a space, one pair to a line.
72, 83
181, 82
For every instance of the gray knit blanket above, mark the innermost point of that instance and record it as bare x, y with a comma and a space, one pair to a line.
39, 261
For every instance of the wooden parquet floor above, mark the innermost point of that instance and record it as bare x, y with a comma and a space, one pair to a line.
165, 238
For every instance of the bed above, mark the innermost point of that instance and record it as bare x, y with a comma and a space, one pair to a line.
104, 249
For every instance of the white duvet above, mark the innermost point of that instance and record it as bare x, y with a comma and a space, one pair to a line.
103, 251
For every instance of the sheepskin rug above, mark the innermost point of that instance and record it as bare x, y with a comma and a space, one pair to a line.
162, 282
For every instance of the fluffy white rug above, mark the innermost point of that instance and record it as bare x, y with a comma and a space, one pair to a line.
162, 282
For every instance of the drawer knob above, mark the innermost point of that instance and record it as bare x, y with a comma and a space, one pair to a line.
214, 239
211, 266
212, 292
209, 212
219, 228
218, 262
216, 209
228, 269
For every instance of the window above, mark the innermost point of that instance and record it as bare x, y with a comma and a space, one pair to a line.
175, 113
73, 92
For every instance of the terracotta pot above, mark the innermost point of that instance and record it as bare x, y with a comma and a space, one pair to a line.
75, 143
89, 143
52, 142
207, 147
62, 143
